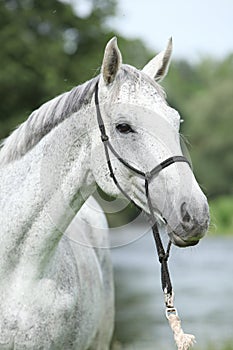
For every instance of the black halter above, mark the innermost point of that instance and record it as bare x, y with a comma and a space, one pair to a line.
147, 176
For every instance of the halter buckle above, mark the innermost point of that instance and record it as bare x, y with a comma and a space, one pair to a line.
104, 138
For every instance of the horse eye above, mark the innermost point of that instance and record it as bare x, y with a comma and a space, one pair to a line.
124, 128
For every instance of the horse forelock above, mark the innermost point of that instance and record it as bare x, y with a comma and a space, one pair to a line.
55, 111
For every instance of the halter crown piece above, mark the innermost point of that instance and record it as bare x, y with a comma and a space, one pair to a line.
183, 341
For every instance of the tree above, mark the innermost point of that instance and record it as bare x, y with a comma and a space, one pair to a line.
203, 94
47, 49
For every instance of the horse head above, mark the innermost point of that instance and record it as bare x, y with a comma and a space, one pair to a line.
143, 131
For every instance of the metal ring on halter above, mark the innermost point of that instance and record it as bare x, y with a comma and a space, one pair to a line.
171, 311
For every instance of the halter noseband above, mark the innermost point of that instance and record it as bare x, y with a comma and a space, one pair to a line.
147, 176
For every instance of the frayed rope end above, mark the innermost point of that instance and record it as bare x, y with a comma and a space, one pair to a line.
183, 341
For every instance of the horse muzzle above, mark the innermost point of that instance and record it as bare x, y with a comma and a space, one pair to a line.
180, 242
191, 228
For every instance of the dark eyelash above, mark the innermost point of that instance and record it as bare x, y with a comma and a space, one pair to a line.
124, 128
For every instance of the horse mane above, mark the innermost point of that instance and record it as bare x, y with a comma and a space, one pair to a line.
52, 113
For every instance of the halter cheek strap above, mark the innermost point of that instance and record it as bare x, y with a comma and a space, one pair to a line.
163, 255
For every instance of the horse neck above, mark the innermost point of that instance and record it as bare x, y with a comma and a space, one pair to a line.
42, 192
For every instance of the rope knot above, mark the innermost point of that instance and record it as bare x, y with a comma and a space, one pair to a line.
163, 257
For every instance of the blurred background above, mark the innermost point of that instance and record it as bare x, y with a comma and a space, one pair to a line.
47, 47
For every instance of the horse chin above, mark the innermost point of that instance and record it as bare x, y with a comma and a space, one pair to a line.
180, 242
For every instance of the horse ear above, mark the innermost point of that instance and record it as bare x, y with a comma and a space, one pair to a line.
111, 62
157, 68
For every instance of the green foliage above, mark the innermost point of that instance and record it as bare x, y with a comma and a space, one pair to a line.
203, 94
47, 49
221, 210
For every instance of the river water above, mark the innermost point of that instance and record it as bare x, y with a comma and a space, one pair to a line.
203, 285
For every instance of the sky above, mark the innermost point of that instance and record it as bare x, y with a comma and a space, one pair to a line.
198, 27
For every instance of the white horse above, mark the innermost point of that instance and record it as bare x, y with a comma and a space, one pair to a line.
55, 293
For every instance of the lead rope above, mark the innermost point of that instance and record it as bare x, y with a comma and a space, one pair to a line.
183, 341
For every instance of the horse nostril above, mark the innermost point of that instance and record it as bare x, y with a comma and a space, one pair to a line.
184, 213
